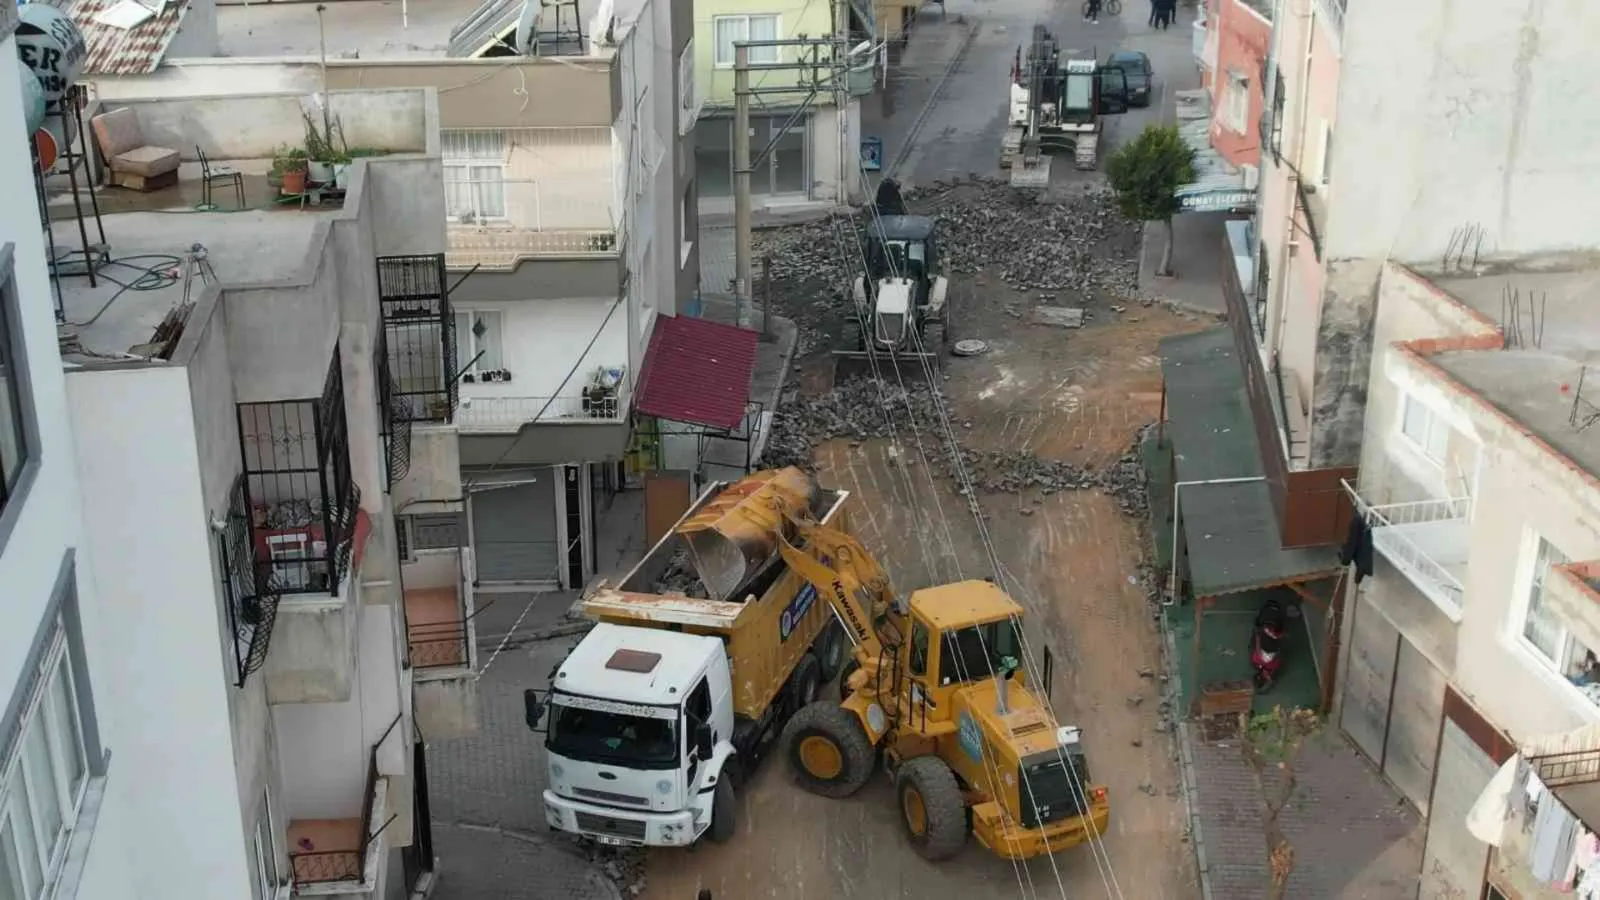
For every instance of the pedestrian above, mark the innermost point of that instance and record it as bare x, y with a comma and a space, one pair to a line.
1155, 12
1169, 10
1091, 11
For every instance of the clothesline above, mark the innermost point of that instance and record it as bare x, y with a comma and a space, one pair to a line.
1563, 853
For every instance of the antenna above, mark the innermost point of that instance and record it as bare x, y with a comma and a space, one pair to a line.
1583, 413
1515, 307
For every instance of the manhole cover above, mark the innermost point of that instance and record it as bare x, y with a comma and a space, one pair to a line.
970, 348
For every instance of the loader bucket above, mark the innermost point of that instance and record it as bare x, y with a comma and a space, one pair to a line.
910, 365
736, 533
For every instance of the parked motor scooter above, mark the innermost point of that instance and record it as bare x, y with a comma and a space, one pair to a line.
1266, 643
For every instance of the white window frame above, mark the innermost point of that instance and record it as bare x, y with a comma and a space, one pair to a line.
469, 162
762, 55
1435, 429
1236, 102
1554, 671
268, 873
20, 780
467, 342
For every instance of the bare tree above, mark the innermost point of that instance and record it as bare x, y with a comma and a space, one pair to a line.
1272, 742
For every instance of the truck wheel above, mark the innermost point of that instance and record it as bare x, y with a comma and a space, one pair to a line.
805, 682
931, 806
849, 669
724, 812
830, 650
829, 750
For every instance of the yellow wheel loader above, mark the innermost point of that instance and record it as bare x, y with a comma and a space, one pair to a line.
931, 689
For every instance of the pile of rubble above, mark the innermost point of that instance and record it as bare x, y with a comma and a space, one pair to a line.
623, 867
680, 578
1081, 245
863, 408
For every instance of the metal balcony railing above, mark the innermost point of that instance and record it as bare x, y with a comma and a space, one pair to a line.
1425, 539
349, 863
1567, 768
503, 246
497, 415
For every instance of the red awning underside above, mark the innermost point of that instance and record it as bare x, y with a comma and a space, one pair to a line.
697, 372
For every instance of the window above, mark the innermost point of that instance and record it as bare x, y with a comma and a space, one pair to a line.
1540, 626
1325, 153
1272, 119
46, 773
688, 91
438, 531
686, 225
733, 29
1423, 427
478, 340
16, 447
976, 652
264, 853
919, 649
474, 175
1236, 102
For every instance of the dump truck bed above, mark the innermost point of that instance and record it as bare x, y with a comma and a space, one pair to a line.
767, 630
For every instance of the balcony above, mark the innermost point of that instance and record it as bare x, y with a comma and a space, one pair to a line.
339, 857
524, 194
508, 415
1427, 541
419, 340
439, 607
1573, 592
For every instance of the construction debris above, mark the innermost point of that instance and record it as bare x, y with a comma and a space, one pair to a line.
1081, 247
680, 578
1058, 316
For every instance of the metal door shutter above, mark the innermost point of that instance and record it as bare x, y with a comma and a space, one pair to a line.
1452, 859
1369, 672
1414, 725
514, 531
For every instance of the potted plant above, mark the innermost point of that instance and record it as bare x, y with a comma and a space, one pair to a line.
293, 172
283, 159
324, 148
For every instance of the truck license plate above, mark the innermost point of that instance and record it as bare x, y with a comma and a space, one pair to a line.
610, 841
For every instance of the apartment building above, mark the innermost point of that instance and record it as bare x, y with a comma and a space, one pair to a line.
1476, 635
571, 220
812, 157
241, 423
65, 821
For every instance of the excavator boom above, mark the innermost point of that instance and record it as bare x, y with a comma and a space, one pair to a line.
841, 569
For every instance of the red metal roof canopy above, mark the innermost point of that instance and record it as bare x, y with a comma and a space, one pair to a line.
697, 371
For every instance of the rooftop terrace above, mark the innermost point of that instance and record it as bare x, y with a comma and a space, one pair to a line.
382, 29
1551, 321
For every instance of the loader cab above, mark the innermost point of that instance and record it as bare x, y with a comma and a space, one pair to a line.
902, 246
961, 634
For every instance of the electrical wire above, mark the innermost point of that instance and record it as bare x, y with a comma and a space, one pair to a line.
1080, 791
154, 277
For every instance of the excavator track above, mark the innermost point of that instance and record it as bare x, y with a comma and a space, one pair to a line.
1086, 152
1011, 147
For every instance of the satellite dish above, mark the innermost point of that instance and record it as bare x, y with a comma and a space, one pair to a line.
33, 103
528, 27
51, 46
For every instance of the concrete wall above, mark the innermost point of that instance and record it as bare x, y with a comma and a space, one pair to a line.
138, 462
249, 125
482, 93
48, 521
545, 279
433, 483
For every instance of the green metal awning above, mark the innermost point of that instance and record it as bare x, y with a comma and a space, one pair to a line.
1230, 529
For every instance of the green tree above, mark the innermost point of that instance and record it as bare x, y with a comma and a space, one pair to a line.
1272, 741
1146, 173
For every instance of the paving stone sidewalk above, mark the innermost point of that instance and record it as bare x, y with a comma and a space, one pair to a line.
1353, 835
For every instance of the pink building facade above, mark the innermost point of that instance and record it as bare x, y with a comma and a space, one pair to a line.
1238, 40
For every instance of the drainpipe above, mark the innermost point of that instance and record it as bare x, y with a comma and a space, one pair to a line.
1172, 576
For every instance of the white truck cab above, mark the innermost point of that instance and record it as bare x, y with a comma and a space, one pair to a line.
638, 723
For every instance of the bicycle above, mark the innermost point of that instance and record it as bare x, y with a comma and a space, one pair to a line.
1109, 7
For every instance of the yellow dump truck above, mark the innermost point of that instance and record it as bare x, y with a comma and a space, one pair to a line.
700, 656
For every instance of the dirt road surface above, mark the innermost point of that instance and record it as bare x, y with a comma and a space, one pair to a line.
1077, 395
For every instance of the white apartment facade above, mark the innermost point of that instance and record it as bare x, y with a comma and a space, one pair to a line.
1474, 635
65, 808
235, 445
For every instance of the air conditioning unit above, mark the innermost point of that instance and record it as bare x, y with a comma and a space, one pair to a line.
1252, 176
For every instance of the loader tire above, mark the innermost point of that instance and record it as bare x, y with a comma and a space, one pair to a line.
849, 669
831, 649
805, 682
931, 807
724, 812
829, 751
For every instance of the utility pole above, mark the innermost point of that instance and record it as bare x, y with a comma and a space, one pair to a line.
741, 181
841, 97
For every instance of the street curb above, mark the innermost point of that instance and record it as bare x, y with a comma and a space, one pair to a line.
1186, 775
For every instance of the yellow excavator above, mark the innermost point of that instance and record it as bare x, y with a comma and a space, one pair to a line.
932, 691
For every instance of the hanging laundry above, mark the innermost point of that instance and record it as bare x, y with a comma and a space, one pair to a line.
1554, 831
1585, 850
1358, 547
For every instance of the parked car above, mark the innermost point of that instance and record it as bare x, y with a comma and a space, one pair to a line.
1141, 77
